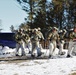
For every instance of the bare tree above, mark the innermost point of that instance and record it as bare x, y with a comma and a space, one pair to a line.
12, 28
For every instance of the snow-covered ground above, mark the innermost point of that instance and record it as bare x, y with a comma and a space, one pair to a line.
56, 66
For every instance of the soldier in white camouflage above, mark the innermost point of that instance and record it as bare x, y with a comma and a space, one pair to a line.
35, 42
53, 37
19, 42
41, 37
72, 42
27, 41
62, 34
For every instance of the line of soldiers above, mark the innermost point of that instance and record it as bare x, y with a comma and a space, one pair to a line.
28, 39
31, 39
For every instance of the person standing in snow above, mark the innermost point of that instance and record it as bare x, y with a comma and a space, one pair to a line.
27, 41
41, 37
35, 43
72, 42
19, 42
53, 37
62, 35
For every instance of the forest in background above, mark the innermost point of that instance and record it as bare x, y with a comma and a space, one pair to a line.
48, 13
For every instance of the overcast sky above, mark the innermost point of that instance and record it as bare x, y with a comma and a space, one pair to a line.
10, 14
